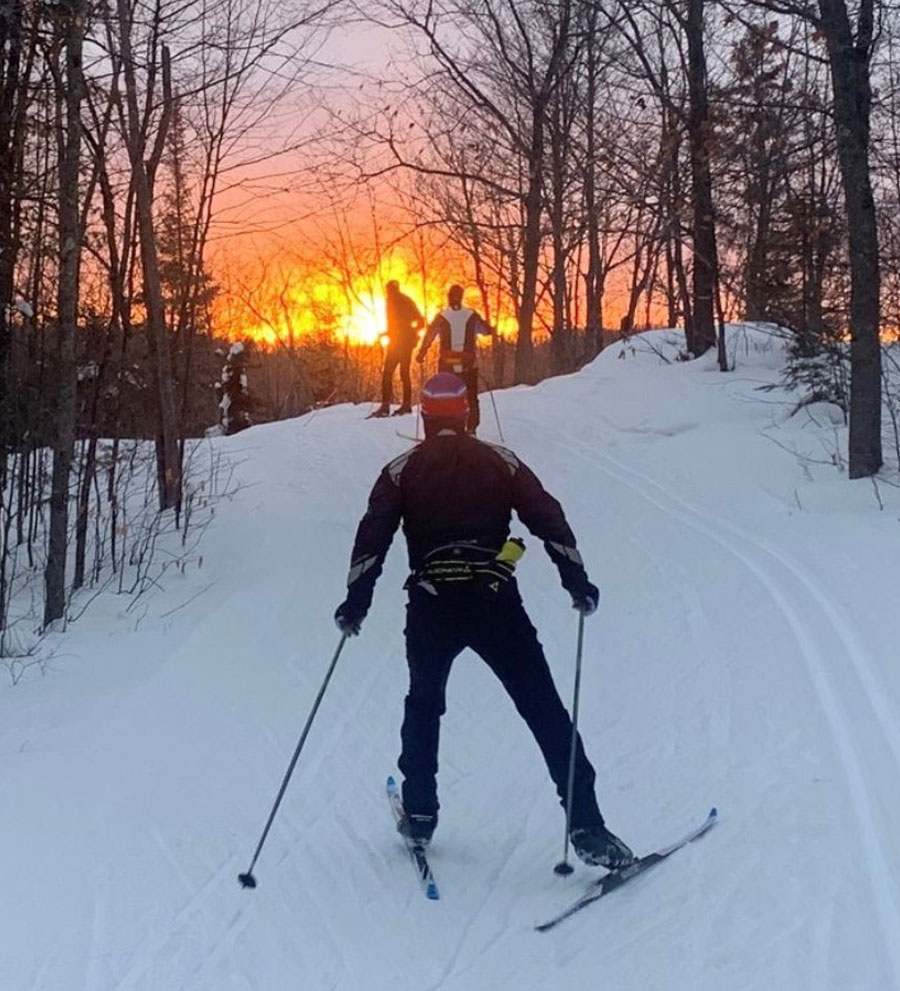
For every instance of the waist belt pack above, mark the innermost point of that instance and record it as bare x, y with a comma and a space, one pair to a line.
458, 564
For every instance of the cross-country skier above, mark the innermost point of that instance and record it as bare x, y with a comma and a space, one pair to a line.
458, 328
231, 390
454, 496
403, 325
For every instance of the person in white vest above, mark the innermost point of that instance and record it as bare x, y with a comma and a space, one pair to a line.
458, 328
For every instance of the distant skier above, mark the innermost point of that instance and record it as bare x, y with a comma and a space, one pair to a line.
403, 321
454, 496
232, 393
458, 328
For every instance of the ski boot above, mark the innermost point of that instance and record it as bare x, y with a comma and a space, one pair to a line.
597, 846
417, 828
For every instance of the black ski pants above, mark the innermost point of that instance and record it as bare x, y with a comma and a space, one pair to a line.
438, 628
394, 356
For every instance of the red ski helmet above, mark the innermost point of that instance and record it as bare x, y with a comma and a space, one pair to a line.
445, 396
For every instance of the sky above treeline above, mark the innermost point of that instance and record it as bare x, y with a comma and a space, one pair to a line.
301, 243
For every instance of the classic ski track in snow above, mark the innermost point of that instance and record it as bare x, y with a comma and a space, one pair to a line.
147, 958
758, 557
450, 968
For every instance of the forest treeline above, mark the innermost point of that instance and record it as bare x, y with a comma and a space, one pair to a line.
670, 161
586, 168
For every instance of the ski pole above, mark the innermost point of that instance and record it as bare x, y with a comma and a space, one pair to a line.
490, 389
248, 880
421, 365
564, 867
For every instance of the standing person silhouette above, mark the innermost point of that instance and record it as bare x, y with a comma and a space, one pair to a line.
403, 321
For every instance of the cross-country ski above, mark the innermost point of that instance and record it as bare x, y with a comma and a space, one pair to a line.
416, 850
616, 878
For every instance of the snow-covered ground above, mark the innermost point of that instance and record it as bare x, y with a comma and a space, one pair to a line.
745, 656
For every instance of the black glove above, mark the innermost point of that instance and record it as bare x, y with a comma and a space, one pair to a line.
349, 618
586, 598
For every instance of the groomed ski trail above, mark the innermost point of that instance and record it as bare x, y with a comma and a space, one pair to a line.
816, 623
138, 802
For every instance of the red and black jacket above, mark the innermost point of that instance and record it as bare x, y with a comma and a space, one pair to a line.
453, 489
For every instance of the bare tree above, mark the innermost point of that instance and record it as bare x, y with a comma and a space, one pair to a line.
145, 148
888, 164
702, 330
502, 62
14, 70
72, 26
685, 31
593, 276
778, 180
850, 53
850, 38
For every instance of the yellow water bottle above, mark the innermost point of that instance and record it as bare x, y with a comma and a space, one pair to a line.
511, 551
492, 577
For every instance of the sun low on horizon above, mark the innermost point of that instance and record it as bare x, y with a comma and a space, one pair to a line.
300, 305
283, 310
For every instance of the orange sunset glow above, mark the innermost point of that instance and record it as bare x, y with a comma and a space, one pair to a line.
283, 311
281, 307
331, 283
297, 305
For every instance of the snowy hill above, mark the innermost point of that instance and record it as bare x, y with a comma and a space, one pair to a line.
744, 656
